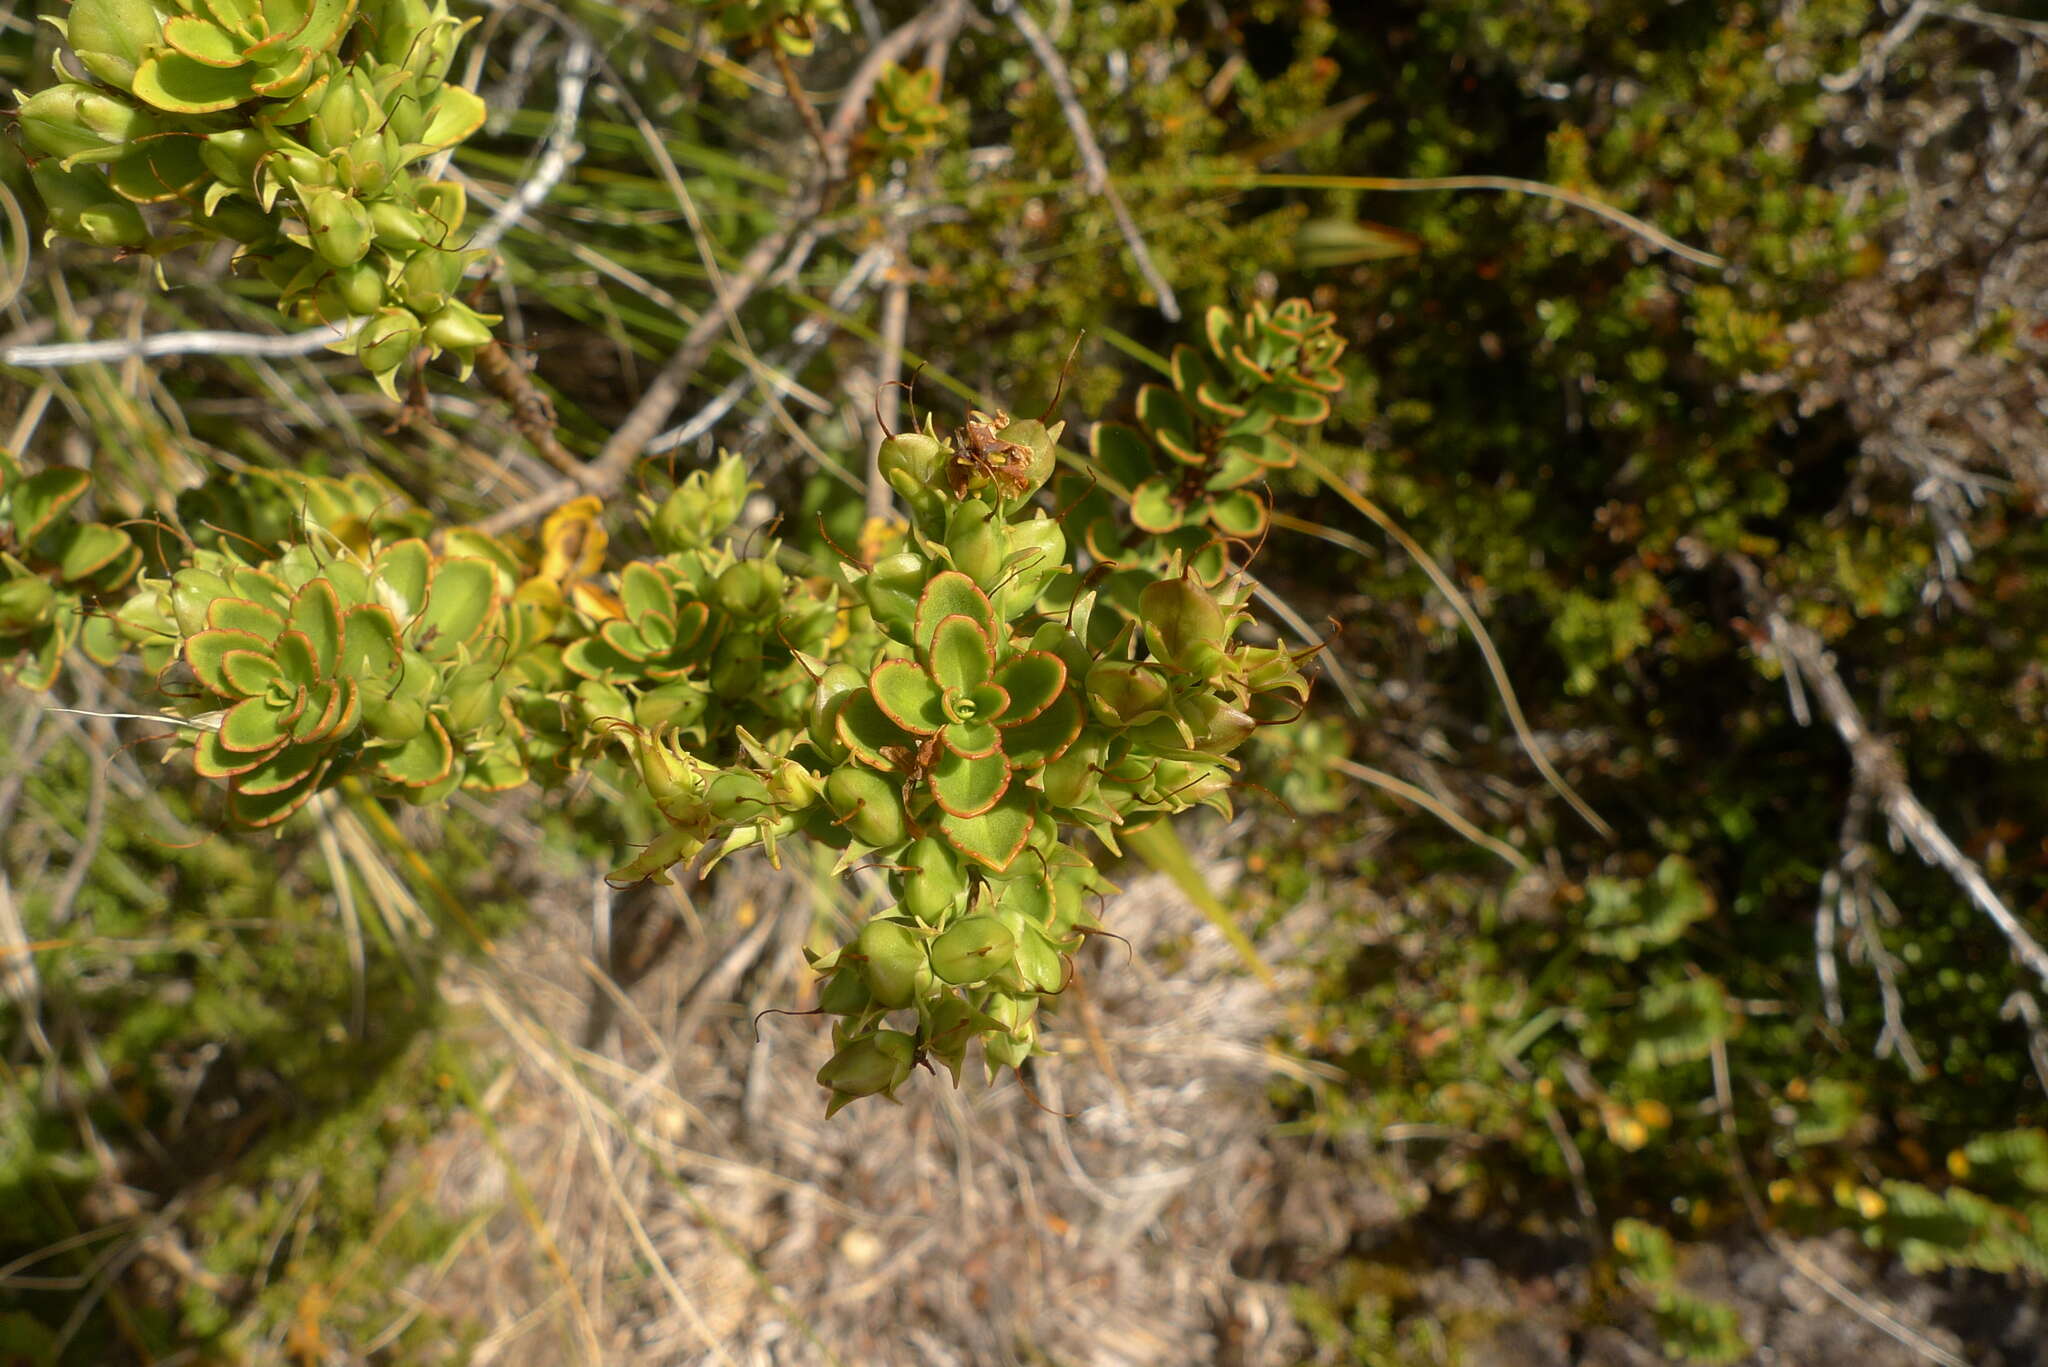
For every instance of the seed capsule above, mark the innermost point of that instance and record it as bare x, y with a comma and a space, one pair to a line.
868, 806
893, 961
974, 950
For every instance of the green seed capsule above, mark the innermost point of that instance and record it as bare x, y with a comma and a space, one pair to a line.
934, 886
77, 120
1038, 965
835, 686
868, 806
393, 719
873, 1064
893, 962
386, 340
680, 703
751, 589
974, 950
845, 993
339, 227
25, 603
975, 543
458, 328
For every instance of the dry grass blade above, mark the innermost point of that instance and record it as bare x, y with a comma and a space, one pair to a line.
1434, 805
1649, 233
1460, 605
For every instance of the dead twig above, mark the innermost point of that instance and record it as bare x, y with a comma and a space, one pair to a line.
1877, 763
1879, 1317
1092, 160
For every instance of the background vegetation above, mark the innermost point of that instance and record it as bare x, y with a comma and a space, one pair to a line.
1745, 1060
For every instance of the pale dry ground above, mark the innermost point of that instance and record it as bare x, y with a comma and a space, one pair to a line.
705, 1211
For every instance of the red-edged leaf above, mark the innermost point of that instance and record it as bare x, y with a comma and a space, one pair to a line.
968, 787
951, 594
867, 731
1032, 679
907, 696
995, 837
205, 651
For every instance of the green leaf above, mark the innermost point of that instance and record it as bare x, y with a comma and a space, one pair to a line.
294, 654
1043, 739
327, 707
239, 614
203, 42
1122, 452
1032, 679
951, 594
369, 642
1189, 370
1298, 407
458, 601
38, 501
316, 614
972, 739
1221, 330
211, 759
253, 726
205, 651
288, 767
968, 787
1153, 507
259, 811
907, 696
249, 673
421, 762
180, 85
1239, 513
592, 657
400, 573
261, 587
994, 838
867, 731
642, 590
960, 655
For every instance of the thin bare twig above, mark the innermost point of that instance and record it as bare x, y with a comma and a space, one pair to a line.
558, 153
895, 322
203, 342
1877, 763
1092, 160
805, 110
937, 24
809, 335
1877, 1316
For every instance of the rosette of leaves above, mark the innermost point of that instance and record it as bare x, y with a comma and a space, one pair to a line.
285, 126
706, 641
974, 711
905, 114
1206, 438
300, 671
1012, 713
791, 25
54, 569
